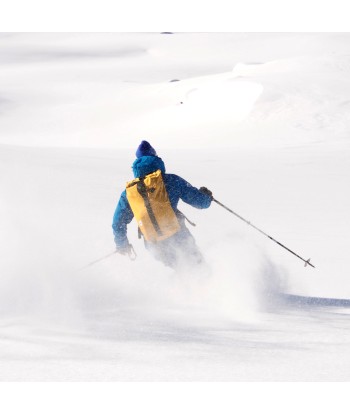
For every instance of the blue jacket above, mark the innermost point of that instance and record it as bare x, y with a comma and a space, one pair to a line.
177, 189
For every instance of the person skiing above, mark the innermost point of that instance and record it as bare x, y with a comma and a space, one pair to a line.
152, 198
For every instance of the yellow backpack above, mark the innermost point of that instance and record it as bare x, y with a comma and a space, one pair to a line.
149, 201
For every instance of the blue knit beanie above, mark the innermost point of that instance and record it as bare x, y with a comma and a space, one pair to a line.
145, 149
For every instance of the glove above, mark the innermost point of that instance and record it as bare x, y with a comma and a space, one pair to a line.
127, 249
124, 250
206, 192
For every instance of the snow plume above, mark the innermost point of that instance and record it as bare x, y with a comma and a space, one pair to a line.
66, 225
243, 280
226, 288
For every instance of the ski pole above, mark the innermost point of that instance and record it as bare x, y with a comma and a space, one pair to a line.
131, 253
306, 262
97, 260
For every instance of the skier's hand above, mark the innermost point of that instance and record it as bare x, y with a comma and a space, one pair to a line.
124, 250
127, 249
206, 192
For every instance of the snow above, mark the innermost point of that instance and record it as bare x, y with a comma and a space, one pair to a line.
261, 119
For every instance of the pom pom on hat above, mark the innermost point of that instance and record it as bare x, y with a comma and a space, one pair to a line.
145, 149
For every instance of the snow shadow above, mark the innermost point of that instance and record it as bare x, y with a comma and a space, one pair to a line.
304, 301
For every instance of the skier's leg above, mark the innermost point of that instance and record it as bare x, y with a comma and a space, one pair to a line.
179, 252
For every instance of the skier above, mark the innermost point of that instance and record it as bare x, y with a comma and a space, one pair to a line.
152, 198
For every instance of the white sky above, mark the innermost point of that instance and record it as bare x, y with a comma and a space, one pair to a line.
182, 15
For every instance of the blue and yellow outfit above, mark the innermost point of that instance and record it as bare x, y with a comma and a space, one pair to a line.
182, 244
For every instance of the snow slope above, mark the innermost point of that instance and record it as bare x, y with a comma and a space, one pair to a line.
261, 119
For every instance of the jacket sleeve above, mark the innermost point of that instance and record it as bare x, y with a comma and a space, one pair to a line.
190, 194
122, 217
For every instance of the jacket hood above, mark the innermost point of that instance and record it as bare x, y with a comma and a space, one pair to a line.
146, 165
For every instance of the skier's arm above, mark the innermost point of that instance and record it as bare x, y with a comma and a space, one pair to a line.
191, 195
122, 216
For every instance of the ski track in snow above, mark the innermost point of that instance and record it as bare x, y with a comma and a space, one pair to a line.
265, 129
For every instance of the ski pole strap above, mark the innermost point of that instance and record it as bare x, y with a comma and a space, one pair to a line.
132, 253
186, 218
